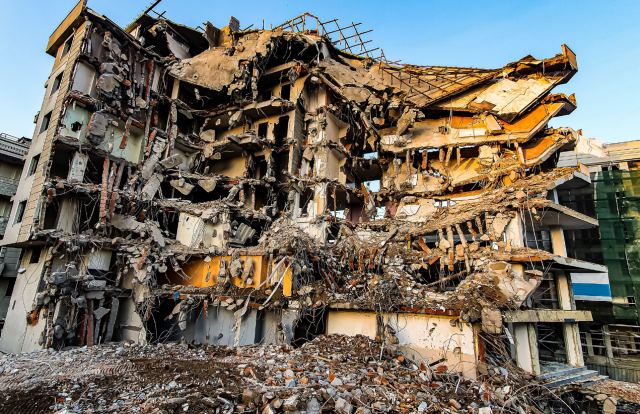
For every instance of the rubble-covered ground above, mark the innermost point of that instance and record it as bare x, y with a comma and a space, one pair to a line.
346, 375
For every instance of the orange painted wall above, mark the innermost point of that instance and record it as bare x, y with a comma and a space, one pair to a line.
197, 269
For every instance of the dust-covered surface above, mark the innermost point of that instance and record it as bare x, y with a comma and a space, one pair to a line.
626, 391
330, 374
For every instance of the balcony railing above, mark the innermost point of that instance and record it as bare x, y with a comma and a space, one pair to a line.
14, 147
8, 186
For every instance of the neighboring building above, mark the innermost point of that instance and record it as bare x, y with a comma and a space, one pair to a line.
12, 152
612, 341
234, 187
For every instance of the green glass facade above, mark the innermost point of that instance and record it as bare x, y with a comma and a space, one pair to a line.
614, 199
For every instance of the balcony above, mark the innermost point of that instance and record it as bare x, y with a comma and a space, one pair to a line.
14, 147
8, 186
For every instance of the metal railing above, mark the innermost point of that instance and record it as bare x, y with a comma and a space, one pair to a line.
610, 343
620, 349
4, 135
11, 146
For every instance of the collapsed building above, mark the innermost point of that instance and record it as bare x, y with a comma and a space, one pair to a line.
235, 187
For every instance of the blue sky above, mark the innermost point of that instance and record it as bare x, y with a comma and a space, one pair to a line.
604, 35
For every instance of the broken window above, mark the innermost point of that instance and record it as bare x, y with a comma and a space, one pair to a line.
262, 129
56, 84
373, 185
94, 170
44, 125
33, 165
281, 129
306, 198
66, 47
35, 254
309, 326
89, 213
10, 286
285, 92
61, 162
20, 211
265, 95
51, 214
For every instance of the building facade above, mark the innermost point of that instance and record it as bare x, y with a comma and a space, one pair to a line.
12, 152
610, 341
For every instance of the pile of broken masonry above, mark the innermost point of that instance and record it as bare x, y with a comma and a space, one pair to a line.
344, 375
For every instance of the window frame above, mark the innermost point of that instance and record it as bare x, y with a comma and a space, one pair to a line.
33, 165
44, 127
57, 81
20, 208
66, 47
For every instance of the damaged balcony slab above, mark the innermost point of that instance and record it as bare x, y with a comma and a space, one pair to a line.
547, 315
559, 215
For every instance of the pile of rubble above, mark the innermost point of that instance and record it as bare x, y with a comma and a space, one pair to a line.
345, 375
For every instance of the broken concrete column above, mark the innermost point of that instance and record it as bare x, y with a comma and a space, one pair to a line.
97, 128
222, 271
68, 215
115, 303
235, 268
248, 272
149, 166
151, 187
182, 186
78, 167
515, 232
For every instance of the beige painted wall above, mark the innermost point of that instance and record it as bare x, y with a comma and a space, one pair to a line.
231, 167
351, 323
37, 143
425, 338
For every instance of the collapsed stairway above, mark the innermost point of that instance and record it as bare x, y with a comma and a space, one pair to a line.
557, 375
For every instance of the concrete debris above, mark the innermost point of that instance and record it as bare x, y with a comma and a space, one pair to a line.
208, 185
172, 161
127, 377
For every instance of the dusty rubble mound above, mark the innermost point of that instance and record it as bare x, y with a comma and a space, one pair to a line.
345, 375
